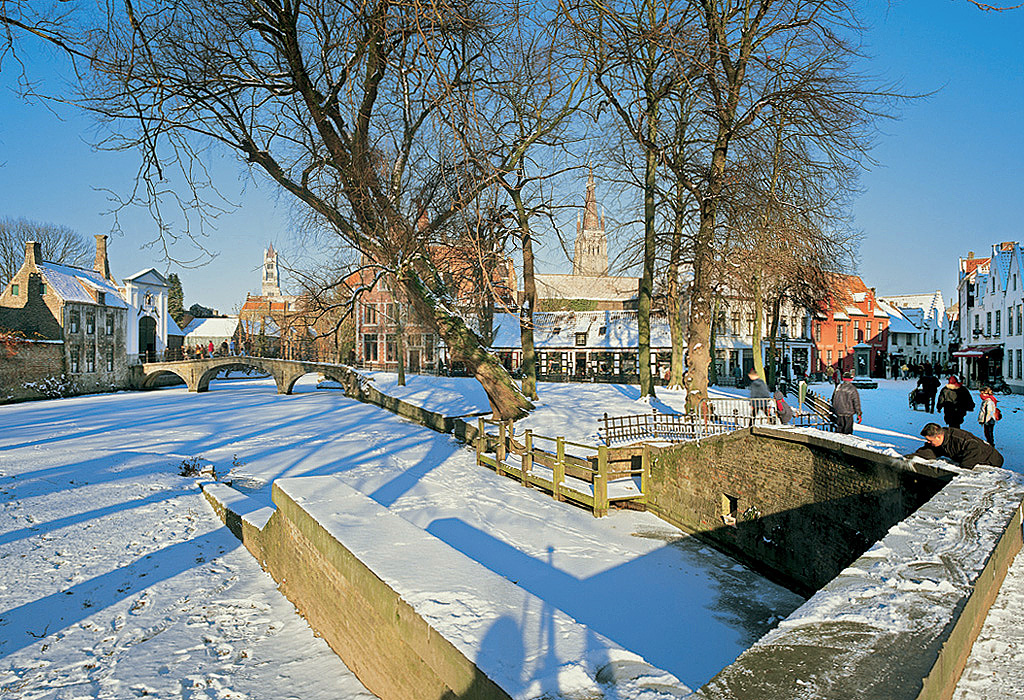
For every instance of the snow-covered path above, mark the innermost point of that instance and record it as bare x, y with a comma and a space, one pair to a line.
118, 581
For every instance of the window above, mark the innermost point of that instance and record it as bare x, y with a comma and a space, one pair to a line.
90, 360
15, 290
73, 320
988, 323
839, 334
42, 288
1020, 326
1018, 365
110, 359
370, 315
392, 312
817, 332
74, 357
90, 323
998, 315
101, 298
829, 359
391, 348
428, 347
860, 336
581, 339
602, 330
869, 329
1009, 365
735, 322
750, 324
110, 324
1009, 321
370, 347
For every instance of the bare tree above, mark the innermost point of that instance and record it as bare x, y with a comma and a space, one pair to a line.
369, 115
58, 244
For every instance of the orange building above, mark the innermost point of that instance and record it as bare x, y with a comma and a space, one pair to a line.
851, 333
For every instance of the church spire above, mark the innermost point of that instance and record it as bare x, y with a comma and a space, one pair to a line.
591, 221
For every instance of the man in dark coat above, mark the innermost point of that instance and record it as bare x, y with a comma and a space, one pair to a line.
962, 447
759, 394
955, 401
846, 404
929, 384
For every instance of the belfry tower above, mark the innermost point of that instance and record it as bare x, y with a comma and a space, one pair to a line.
590, 257
271, 273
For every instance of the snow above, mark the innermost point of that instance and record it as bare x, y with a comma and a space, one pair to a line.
117, 578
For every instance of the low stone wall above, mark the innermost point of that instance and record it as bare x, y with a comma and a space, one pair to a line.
899, 622
797, 506
414, 618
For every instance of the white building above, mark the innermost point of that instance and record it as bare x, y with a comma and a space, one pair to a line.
991, 312
151, 330
919, 332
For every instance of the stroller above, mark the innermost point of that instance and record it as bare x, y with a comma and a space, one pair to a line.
918, 397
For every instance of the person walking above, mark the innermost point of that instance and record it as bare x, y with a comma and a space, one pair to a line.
964, 448
929, 384
955, 401
759, 394
989, 414
783, 409
846, 404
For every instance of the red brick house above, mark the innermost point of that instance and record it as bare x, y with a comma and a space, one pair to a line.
851, 332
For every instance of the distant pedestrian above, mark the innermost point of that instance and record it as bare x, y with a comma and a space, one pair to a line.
929, 384
846, 404
955, 401
759, 394
231, 347
209, 349
964, 448
989, 414
904, 370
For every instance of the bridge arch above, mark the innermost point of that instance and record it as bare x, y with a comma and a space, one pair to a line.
149, 381
217, 365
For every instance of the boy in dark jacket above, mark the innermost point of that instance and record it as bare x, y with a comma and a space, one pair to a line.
962, 447
846, 404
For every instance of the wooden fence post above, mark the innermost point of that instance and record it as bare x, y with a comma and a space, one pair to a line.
527, 460
558, 473
481, 437
500, 452
601, 482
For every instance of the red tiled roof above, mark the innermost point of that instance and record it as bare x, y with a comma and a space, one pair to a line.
969, 265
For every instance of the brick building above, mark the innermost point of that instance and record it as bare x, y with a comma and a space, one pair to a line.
851, 331
81, 309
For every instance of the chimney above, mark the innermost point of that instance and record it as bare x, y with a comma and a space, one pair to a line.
970, 255
33, 253
101, 265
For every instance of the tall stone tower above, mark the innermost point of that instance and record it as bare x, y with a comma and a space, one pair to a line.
590, 257
271, 273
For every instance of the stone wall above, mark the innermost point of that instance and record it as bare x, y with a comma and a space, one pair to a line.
32, 369
796, 506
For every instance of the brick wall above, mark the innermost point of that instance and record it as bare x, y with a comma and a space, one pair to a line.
804, 506
32, 369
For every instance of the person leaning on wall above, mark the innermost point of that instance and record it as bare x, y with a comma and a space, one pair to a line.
959, 446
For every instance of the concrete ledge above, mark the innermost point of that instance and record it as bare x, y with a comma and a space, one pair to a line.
414, 618
900, 621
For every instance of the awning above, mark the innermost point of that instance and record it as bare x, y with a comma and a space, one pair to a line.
977, 351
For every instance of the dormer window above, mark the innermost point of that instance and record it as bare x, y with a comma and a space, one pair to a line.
101, 298
602, 330
558, 329
581, 339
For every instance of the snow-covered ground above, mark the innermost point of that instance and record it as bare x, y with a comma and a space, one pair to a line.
118, 581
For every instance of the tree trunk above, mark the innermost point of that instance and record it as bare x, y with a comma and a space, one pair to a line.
507, 402
758, 334
698, 337
675, 321
647, 279
400, 343
529, 367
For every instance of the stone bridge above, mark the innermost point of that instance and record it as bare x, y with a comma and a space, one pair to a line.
197, 373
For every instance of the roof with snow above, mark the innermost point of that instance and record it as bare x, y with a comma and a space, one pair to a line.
556, 330
898, 322
80, 285
211, 327
150, 272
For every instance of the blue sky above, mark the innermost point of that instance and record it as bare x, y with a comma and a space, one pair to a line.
949, 178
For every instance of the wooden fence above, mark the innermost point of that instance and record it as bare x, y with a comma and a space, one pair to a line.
589, 476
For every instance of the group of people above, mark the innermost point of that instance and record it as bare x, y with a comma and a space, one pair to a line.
954, 400
903, 370
201, 352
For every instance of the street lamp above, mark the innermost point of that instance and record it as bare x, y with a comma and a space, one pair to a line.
784, 336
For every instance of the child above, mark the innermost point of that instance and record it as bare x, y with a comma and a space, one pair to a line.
989, 414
